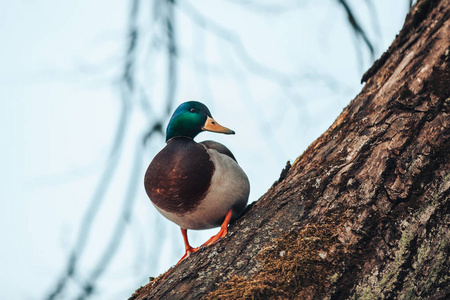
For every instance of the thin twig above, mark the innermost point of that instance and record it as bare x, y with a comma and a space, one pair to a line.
108, 172
356, 27
172, 55
119, 230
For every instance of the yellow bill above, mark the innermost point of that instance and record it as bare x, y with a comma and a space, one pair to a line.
212, 125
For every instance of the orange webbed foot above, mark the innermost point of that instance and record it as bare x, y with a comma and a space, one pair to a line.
223, 231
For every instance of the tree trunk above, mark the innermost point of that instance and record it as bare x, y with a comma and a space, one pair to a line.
363, 213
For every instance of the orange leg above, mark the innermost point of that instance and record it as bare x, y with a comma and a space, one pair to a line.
223, 230
188, 247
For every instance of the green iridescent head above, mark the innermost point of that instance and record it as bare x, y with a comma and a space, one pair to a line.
191, 118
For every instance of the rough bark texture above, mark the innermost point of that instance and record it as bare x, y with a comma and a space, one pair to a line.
363, 213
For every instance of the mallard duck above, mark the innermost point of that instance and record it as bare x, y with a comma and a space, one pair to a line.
196, 185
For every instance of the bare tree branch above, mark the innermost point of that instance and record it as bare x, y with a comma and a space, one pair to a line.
95, 202
282, 79
119, 230
110, 168
172, 55
230, 36
357, 27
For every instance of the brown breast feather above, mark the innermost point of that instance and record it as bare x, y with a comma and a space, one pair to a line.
179, 176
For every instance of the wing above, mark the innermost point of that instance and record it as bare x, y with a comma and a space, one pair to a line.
219, 148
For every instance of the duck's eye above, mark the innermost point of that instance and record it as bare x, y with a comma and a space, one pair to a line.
192, 110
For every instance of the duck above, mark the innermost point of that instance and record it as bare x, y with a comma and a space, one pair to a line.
196, 185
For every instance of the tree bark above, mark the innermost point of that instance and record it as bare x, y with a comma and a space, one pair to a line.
363, 213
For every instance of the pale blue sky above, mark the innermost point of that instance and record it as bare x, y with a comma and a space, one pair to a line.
59, 105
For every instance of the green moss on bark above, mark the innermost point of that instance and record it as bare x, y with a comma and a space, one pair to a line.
300, 265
